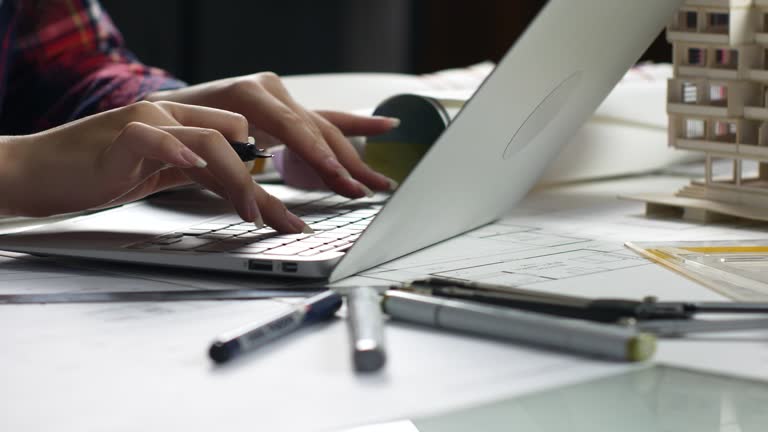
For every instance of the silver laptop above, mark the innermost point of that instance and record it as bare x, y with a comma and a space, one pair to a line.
545, 87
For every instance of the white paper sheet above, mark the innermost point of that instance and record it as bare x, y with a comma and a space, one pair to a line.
144, 366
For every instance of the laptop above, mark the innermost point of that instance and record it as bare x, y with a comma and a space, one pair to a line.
541, 92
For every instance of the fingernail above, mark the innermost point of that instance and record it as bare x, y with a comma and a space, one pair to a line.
193, 159
333, 165
393, 185
361, 187
342, 172
253, 214
258, 221
393, 121
298, 224
366, 190
251, 140
307, 230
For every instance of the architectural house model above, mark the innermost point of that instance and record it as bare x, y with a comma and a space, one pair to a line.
717, 102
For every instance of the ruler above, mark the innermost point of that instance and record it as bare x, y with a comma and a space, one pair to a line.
159, 296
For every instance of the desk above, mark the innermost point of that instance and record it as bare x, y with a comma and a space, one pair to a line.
143, 366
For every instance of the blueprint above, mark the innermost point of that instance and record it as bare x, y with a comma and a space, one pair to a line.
541, 247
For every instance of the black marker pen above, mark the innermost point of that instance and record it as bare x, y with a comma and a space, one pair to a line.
251, 336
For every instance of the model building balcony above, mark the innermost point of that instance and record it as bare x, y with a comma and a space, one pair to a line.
711, 97
723, 137
715, 61
724, 22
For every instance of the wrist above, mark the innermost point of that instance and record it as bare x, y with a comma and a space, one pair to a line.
154, 96
10, 169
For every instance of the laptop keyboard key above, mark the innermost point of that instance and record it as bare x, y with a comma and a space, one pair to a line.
165, 241
292, 236
287, 250
193, 232
249, 250
322, 226
344, 247
188, 243
209, 226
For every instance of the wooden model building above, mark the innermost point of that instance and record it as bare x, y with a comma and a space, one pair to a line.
717, 103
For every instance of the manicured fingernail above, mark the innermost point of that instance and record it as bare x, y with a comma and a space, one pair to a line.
361, 187
366, 190
190, 156
258, 221
252, 213
333, 165
342, 172
251, 140
307, 230
393, 185
298, 224
393, 121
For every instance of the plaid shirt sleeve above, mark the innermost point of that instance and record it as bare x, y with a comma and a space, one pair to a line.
69, 62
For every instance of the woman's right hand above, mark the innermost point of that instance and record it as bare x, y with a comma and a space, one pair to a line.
127, 153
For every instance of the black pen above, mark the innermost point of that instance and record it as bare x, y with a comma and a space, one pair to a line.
251, 336
247, 151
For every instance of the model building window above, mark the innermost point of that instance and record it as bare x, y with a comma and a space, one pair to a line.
724, 131
750, 171
696, 57
717, 23
690, 92
718, 94
765, 59
725, 171
694, 128
726, 58
688, 20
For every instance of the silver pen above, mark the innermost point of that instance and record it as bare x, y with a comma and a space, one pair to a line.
583, 337
366, 331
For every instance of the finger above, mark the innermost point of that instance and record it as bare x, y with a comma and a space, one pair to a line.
224, 165
348, 156
263, 139
356, 125
273, 211
157, 182
232, 125
278, 216
142, 150
271, 109
210, 182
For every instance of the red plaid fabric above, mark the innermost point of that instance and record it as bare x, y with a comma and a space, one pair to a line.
64, 59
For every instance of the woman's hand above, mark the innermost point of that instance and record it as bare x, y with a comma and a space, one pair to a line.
318, 138
127, 153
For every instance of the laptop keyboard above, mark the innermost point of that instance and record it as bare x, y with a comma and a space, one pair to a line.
337, 222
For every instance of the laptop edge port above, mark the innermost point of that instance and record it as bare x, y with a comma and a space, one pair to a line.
257, 265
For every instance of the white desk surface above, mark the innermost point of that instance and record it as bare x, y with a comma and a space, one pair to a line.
143, 366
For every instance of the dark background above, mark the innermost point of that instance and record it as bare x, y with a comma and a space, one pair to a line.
201, 40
